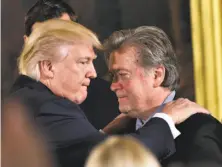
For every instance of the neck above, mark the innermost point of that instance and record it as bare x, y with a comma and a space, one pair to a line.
48, 84
157, 99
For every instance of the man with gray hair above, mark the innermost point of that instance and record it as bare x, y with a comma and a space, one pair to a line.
145, 76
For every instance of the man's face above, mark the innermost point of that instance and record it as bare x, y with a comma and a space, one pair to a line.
131, 83
72, 75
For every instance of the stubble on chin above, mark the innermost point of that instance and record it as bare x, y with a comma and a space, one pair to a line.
128, 111
124, 109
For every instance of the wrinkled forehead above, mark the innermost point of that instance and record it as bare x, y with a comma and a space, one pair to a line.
75, 52
123, 57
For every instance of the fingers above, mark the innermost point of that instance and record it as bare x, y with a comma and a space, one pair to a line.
203, 110
182, 108
181, 102
196, 108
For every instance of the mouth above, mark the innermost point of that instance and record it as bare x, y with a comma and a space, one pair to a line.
86, 84
122, 98
85, 87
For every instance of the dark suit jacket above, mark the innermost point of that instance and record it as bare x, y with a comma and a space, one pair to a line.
200, 142
68, 130
101, 102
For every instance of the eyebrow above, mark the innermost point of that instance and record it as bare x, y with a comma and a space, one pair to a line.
88, 57
118, 69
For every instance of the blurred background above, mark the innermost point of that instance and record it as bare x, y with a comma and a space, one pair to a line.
194, 27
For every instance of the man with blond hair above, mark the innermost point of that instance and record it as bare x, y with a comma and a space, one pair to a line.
44, 10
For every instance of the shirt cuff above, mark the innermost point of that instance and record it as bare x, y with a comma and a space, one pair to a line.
101, 131
175, 132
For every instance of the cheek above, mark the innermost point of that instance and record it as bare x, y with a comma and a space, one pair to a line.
60, 74
129, 88
68, 79
75, 74
130, 85
126, 85
134, 89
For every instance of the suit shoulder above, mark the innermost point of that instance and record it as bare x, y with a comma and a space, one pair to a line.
44, 102
199, 120
202, 125
62, 107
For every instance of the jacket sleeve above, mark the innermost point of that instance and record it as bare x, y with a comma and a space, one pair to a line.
156, 136
65, 123
69, 132
74, 136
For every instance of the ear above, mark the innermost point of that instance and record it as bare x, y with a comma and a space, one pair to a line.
159, 75
25, 38
46, 69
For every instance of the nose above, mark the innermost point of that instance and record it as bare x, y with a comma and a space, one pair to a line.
92, 72
115, 86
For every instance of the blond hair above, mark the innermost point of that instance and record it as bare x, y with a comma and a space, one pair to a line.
121, 152
45, 40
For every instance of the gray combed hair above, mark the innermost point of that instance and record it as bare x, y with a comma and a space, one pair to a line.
154, 48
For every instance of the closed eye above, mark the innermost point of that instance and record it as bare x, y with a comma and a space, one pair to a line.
122, 74
84, 62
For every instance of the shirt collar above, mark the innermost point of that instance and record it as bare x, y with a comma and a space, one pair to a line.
169, 98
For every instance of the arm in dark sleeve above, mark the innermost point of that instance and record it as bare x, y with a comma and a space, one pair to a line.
74, 136
156, 135
69, 132
65, 123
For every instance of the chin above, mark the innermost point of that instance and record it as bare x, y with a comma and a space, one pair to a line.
124, 109
129, 111
79, 101
80, 98
133, 115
